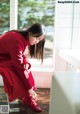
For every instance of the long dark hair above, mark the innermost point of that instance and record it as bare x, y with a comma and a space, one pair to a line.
36, 30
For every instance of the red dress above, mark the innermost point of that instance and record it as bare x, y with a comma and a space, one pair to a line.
17, 80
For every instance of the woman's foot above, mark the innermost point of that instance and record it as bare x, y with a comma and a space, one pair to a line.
31, 103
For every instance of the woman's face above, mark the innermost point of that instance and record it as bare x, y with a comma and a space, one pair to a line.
34, 40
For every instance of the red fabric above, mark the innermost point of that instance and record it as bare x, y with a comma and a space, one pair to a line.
17, 79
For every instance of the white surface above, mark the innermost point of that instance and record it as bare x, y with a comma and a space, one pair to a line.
65, 93
71, 55
1, 81
13, 14
70, 84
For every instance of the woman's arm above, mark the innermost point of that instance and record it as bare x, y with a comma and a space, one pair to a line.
16, 53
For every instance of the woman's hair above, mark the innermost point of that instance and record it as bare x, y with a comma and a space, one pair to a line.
36, 30
37, 50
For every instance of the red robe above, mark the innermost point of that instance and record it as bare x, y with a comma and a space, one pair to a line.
17, 80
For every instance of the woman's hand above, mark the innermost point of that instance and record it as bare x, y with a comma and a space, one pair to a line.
33, 93
27, 66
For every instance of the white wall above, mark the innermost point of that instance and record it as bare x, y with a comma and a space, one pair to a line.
76, 27
63, 32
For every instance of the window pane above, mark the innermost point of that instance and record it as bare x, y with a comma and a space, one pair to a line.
4, 15
32, 11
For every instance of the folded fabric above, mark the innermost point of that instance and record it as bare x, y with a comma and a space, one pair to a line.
13, 84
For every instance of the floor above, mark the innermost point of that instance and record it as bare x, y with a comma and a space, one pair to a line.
17, 107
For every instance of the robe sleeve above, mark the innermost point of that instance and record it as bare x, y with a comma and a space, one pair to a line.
16, 53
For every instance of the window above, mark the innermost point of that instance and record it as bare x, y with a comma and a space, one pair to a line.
4, 15
32, 11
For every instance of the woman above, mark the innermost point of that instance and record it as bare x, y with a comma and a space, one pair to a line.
18, 80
